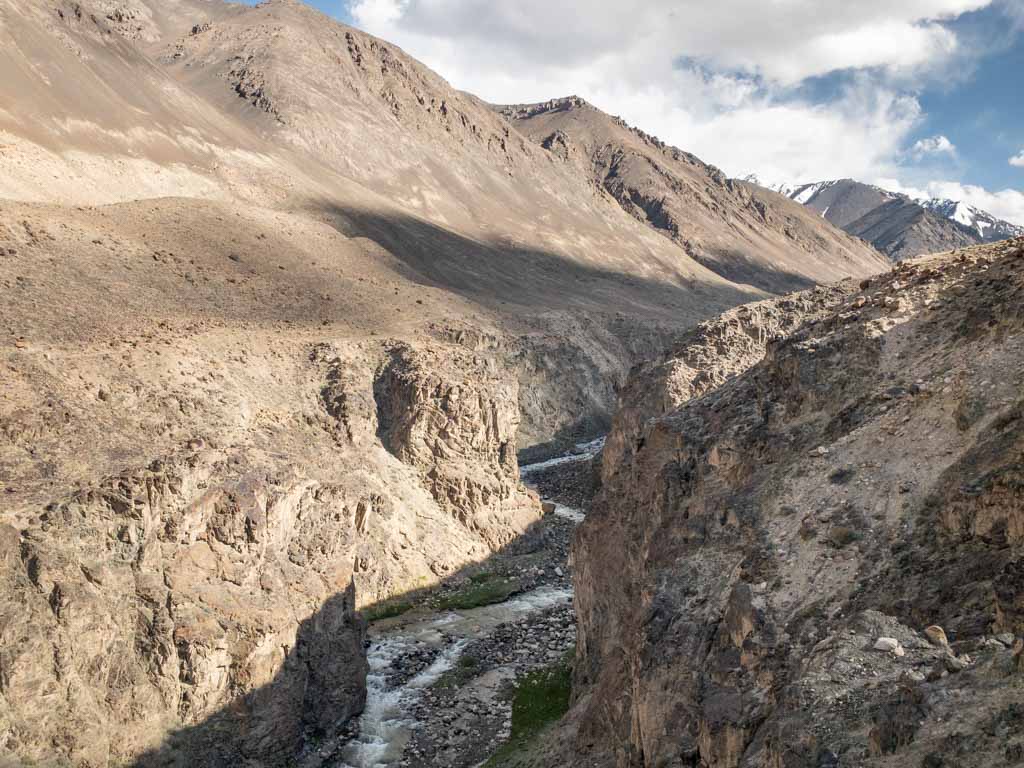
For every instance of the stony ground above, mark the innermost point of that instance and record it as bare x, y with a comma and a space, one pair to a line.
466, 715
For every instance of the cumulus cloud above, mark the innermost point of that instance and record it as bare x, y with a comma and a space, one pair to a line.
1018, 160
738, 95
783, 42
933, 145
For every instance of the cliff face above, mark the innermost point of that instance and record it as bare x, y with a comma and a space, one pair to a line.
156, 597
212, 593
755, 582
460, 436
705, 358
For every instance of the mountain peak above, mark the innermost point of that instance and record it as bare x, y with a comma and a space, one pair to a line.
885, 218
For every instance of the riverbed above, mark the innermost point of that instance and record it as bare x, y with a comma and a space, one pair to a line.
439, 683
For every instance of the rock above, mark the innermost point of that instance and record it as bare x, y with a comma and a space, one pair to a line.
548, 507
936, 636
956, 663
1007, 639
890, 645
698, 510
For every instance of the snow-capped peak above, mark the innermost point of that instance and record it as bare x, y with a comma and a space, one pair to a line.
781, 187
987, 226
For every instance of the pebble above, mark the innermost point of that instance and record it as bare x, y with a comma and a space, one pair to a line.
889, 645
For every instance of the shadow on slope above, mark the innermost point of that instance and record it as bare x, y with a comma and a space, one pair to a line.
506, 273
320, 687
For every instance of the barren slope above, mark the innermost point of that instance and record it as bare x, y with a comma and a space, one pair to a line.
741, 231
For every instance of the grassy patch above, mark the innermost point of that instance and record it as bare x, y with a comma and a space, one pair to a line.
386, 610
482, 589
540, 700
464, 670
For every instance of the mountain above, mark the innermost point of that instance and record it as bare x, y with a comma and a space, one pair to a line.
897, 224
985, 225
894, 224
734, 229
282, 310
806, 544
781, 187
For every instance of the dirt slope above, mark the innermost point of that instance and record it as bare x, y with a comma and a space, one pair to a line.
740, 231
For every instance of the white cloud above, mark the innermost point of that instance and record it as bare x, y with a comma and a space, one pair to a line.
1007, 204
688, 72
933, 145
1018, 160
784, 42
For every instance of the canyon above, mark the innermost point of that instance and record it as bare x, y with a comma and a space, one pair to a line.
314, 366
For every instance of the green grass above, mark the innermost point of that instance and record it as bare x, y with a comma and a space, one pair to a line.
386, 610
464, 670
482, 589
540, 700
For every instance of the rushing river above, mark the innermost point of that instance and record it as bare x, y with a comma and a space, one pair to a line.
386, 725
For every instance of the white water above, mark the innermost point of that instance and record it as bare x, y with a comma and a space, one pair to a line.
387, 723
569, 513
581, 451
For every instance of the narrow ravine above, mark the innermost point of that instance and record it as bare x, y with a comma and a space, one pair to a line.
390, 718
438, 689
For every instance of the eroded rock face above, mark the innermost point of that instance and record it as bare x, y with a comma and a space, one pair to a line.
705, 358
202, 610
753, 545
162, 596
460, 435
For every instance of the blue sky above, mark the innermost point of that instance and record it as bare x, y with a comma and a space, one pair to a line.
922, 96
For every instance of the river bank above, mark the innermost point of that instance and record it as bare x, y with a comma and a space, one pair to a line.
447, 671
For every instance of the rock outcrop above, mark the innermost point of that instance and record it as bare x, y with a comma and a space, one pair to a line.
159, 597
771, 567
705, 358
460, 436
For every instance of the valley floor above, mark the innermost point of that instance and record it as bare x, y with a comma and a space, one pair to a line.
470, 674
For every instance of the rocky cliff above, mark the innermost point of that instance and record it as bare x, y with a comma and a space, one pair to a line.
817, 562
213, 591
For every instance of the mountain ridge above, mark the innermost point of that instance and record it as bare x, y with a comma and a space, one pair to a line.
686, 200
909, 227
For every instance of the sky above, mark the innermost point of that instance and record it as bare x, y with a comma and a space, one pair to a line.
920, 96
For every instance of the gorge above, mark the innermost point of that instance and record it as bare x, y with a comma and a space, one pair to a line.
326, 385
